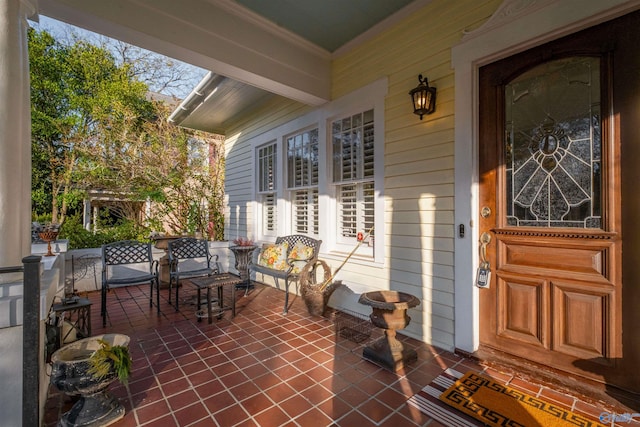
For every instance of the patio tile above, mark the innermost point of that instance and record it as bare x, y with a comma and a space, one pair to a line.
153, 411
313, 418
231, 415
190, 414
219, 401
272, 417
263, 369
295, 406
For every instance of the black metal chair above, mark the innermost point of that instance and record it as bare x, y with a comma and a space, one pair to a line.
125, 263
290, 274
189, 258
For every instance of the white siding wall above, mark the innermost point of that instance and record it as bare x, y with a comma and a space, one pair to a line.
419, 229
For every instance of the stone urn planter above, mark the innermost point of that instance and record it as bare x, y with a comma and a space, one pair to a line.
389, 313
71, 374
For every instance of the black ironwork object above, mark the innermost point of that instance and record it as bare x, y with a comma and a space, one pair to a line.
189, 258
242, 255
288, 275
142, 269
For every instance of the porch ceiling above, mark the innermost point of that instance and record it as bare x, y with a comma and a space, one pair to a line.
254, 49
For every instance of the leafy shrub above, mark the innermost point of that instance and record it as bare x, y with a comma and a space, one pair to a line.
79, 238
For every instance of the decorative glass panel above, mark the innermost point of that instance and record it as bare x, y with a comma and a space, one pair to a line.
553, 145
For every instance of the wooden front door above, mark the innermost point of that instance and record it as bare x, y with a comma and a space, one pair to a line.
556, 125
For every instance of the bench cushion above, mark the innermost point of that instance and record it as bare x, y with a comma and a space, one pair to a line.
299, 255
275, 257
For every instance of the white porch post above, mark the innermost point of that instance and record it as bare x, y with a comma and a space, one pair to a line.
86, 214
15, 132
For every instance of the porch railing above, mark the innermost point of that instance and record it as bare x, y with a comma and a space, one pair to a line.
31, 348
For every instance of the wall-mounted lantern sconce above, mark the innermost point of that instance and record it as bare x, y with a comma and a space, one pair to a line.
423, 98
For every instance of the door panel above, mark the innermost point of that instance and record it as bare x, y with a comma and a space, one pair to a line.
580, 311
522, 316
550, 175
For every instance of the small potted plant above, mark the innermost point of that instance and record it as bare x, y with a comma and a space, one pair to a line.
85, 368
109, 359
243, 241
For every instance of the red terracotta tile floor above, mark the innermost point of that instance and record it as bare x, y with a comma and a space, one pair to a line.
263, 369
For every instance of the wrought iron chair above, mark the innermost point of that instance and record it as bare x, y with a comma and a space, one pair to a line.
189, 258
290, 273
126, 263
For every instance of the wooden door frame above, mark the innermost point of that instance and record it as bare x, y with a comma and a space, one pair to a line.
514, 27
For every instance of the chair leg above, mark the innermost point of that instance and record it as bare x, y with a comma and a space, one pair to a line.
151, 295
177, 288
286, 296
103, 307
170, 283
157, 294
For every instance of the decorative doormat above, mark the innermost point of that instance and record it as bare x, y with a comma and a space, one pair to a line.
495, 404
428, 402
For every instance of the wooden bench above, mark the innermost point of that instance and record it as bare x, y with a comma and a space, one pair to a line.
285, 259
128, 262
189, 258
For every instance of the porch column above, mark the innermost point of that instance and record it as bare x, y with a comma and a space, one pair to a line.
86, 214
15, 133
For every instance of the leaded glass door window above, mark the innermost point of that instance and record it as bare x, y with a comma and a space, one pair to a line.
553, 145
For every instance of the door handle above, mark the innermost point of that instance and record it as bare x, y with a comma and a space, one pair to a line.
485, 239
483, 277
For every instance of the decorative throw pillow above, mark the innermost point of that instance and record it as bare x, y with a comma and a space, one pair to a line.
299, 255
275, 256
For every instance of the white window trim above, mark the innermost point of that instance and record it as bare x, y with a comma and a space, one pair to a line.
258, 208
365, 98
288, 192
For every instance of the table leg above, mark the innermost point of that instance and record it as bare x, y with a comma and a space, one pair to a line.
220, 301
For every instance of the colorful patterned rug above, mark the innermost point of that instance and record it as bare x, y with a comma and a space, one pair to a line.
428, 402
480, 401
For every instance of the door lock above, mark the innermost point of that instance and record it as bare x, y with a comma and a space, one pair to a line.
485, 212
483, 277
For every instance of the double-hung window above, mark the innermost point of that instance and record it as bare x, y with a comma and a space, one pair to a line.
353, 174
302, 181
267, 158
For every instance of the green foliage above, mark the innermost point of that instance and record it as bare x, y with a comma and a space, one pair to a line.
93, 128
79, 238
42, 219
110, 358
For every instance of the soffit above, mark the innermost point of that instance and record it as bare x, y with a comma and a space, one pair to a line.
329, 24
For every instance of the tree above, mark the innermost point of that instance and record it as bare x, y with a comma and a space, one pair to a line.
179, 170
95, 128
78, 96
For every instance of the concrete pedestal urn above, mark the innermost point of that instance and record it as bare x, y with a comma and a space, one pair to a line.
71, 374
389, 313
